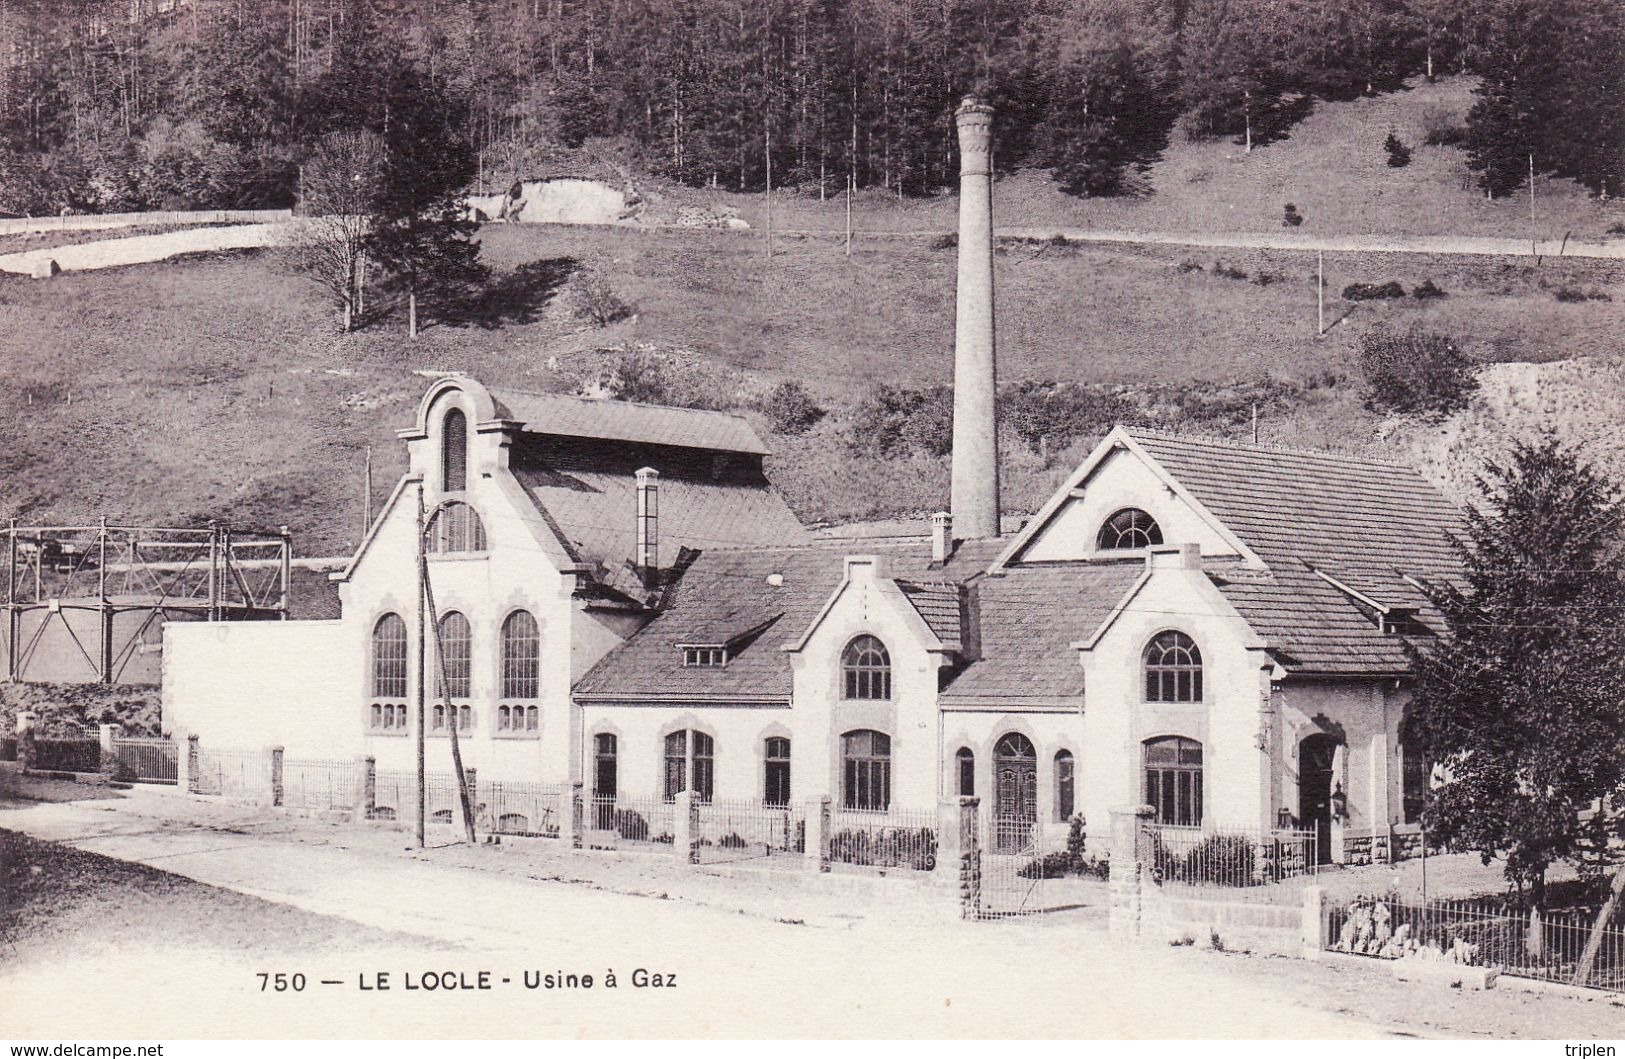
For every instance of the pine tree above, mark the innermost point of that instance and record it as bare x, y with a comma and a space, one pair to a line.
1520, 704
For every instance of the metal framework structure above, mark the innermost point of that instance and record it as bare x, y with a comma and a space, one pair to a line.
109, 570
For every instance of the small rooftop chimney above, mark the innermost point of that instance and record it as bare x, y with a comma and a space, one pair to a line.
648, 548
942, 540
975, 490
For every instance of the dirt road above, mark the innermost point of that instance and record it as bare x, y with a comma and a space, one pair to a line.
140, 249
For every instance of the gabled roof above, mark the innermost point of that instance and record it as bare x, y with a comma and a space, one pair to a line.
692, 428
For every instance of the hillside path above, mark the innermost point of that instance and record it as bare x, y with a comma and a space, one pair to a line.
140, 249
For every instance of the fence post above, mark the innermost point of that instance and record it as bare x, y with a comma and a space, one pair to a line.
686, 828
109, 732
472, 774
191, 764
368, 802
815, 846
578, 816
1131, 856
277, 792
967, 831
1314, 922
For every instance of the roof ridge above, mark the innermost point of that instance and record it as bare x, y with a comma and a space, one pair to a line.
1138, 432
610, 401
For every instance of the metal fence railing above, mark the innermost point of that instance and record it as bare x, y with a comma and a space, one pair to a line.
1232, 857
512, 807
1549, 946
395, 796
244, 775
898, 838
1012, 880
68, 755
142, 760
631, 823
311, 783
773, 836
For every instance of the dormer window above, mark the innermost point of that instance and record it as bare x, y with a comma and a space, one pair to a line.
704, 656
454, 451
1129, 528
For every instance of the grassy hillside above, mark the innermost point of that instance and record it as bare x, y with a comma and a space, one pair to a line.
218, 386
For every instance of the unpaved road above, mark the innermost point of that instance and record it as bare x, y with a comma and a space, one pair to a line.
140, 249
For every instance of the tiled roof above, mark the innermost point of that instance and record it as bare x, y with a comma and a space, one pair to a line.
726, 593
1029, 619
1364, 523
692, 428
938, 604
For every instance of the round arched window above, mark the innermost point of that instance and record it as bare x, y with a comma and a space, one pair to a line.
1173, 669
865, 670
1129, 528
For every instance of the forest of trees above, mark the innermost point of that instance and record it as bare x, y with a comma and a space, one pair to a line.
132, 104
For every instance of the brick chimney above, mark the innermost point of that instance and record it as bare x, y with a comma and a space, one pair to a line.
975, 495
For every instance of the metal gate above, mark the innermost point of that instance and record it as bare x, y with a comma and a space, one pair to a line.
146, 760
1012, 871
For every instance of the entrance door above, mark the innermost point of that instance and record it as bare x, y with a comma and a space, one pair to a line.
604, 779
1316, 755
1015, 793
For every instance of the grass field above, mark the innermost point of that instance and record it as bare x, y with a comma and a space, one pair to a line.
218, 386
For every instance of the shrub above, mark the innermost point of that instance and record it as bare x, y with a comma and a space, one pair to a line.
1221, 269
1427, 289
1188, 265
945, 242
1264, 279
1399, 155
792, 409
1049, 416
1360, 292
593, 300
1416, 371
894, 420
886, 847
1617, 228
1290, 217
1577, 294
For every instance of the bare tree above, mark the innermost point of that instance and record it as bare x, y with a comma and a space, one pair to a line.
339, 181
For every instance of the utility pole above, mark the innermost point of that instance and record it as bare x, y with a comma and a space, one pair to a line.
366, 497
422, 572
767, 141
1320, 292
850, 180
1255, 422
464, 797
1531, 204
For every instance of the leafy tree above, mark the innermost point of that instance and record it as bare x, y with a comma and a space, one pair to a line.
1519, 704
1415, 371
340, 180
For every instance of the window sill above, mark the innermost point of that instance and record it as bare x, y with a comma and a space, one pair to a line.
458, 557
463, 733
389, 733
516, 735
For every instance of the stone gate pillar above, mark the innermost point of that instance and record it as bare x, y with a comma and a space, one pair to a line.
1131, 851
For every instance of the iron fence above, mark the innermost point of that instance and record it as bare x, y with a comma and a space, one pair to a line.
244, 775
1549, 946
8, 748
773, 836
1232, 857
630, 823
395, 797
515, 807
898, 838
68, 755
311, 783
142, 760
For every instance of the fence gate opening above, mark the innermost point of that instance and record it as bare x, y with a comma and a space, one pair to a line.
1012, 870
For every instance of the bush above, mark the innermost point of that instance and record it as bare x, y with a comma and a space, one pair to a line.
1188, 265
593, 300
1221, 269
894, 420
1427, 289
1290, 217
792, 408
1415, 371
1360, 292
1049, 416
886, 847
1577, 294
945, 242
1399, 155
1264, 279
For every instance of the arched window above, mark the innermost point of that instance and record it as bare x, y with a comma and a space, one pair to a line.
965, 766
1065, 785
1416, 774
866, 771
1129, 528
776, 775
1173, 669
389, 658
452, 679
456, 527
865, 670
454, 451
521, 656
605, 776
690, 764
1173, 780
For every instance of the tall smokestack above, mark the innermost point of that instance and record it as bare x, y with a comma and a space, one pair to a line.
975, 497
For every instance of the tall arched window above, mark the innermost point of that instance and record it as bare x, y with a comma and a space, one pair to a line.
776, 771
1173, 780
1128, 528
1065, 785
866, 771
521, 656
1416, 774
389, 658
454, 451
456, 527
1173, 669
965, 767
865, 670
453, 678
690, 764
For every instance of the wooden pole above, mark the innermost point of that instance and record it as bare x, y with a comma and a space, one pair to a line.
850, 179
1320, 292
11, 603
286, 572
1531, 204
214, 570
104, 658
465, 801
1255, 422
366, 497
767, 139
422, 665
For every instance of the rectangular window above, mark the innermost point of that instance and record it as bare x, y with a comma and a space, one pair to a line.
705, 657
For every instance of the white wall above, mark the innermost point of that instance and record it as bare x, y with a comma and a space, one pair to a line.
1049, 731
738, 734
1121, 480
